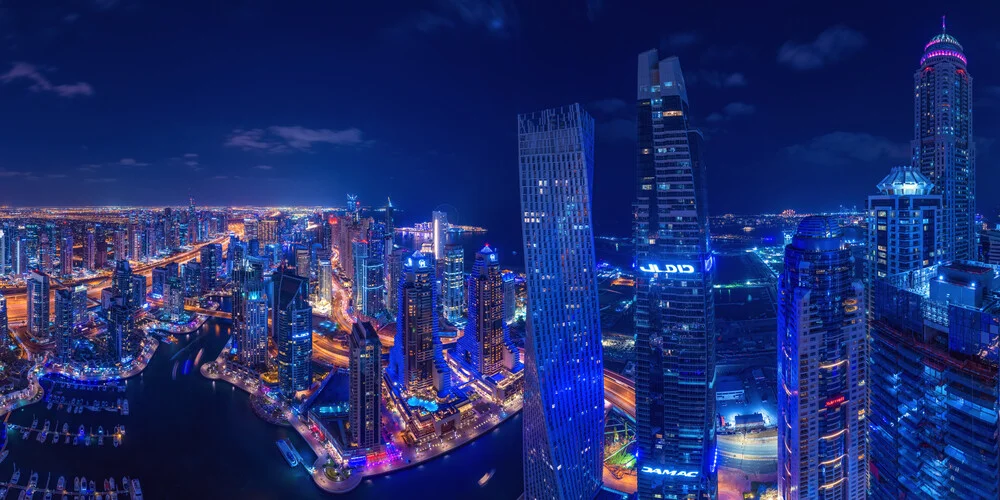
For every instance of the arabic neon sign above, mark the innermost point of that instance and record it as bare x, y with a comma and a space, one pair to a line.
669, 472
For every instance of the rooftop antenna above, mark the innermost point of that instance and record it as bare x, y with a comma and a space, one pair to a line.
943, 26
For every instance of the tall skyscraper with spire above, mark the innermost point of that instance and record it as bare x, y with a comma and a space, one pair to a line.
563, 373
943, 146
674, 315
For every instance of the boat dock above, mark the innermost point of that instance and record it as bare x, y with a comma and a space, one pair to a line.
75, 489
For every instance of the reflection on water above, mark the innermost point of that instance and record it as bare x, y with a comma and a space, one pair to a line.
185, 439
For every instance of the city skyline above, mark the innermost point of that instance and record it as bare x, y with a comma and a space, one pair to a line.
737, 64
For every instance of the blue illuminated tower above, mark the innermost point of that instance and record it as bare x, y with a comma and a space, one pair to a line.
674, 314
4, 337
563, 374
822, 368
292, 323
64, 323
943, 145
417, 361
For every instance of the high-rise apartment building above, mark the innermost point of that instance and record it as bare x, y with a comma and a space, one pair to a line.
674, 307
563, 374
64, 324
439, 226
486, 343
416, 361
250, 303
904, 227
211, 264
933, 383
822, 368
292, 324
453, 284
38, 303
365, 418
943, 145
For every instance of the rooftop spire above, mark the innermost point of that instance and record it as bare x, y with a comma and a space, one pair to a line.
943, 26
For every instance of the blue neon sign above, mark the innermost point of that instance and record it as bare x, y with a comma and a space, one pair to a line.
669, 472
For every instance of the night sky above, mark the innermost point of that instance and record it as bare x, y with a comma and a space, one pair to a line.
294, 102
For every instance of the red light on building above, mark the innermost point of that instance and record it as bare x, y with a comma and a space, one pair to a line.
837, 401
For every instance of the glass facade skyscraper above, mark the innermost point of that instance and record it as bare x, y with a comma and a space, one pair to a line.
365, 392
943, 145
64, 323
564, 379
822, 368
38, 303
292, 324
453, 284
934, 383
250, 312
674, 314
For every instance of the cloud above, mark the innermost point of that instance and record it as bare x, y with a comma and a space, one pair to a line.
11, 173
100, 180
494, 17
264, 167
717, 79
39, 83
131, 162
680, 41
278, 139
732, 110
832, 45
843, 148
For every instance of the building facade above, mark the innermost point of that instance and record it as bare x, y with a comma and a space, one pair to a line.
365, 414
674, 307
486, 342
822, 368
943, 145
292, 323
934, 384
64, 324
38, 303
563, 337
453, 284
416, 361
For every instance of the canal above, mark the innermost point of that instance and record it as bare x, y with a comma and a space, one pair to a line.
189, 437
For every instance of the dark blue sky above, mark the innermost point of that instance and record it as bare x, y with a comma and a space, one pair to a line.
138, 102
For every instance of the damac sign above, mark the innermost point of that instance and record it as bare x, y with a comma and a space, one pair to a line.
668, 268
670, 472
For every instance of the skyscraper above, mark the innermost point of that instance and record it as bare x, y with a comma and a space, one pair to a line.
250, 303
943, 145
439, 225
211, 262
4, 337
365, 422
509, 297
64, 324
79, 299
904, 227
486, 341
822, 368
453, 284
416, 361
292, 323
674, 315
325, 276
38, 303
66, 252
121, 325
563, 375
393, 273
369, 274
90, 250
933, 384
